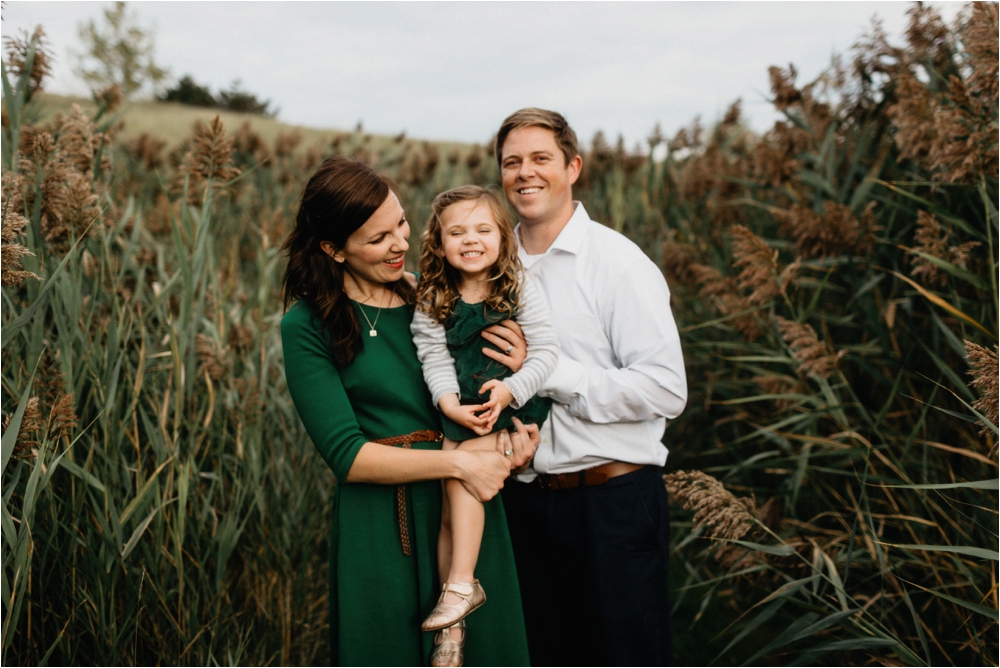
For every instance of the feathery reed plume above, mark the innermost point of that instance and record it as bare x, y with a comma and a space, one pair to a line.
208, 160
62, 418
689, 137
779, 384
985, 379
931, 239
832, 233
311, 157
80, 210
979, 31
248, 144
212, 358
109, 98
815, 357
724, 294
715, 508
677, 260
147, 150
212, 153
31, 422
783, 87
249, 405
927, 34
74, 131
774, 158
11, 252
760, 265
965, 144
17, 57
240, 337
732, 116
286, 143
912, 116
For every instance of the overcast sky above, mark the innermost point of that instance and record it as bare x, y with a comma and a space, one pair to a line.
454, 70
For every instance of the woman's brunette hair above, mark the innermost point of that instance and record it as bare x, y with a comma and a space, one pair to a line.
437, 292
338, 199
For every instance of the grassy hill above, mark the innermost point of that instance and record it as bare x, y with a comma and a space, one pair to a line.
172, 121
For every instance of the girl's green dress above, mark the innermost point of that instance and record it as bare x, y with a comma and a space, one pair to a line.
464, 330
378, 596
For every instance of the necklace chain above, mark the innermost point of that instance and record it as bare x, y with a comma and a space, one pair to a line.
371, 325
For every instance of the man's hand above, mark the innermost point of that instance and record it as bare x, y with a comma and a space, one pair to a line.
500, 398
466, 415
521, 444
507, 336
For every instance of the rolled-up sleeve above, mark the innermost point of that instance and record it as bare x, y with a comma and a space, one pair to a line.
318, 391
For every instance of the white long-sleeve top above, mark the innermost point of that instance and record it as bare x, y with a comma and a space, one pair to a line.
543, 349
621, 371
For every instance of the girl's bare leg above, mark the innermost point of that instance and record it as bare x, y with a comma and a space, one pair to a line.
467, 519
445, 535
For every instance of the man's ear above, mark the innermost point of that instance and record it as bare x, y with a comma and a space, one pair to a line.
331, 250
574, 166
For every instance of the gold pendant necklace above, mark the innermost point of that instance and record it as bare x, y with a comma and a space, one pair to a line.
371, 325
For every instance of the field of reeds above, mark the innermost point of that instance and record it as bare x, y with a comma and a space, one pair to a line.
834, 477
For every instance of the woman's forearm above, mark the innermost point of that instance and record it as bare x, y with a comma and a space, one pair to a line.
481, 472
389, 465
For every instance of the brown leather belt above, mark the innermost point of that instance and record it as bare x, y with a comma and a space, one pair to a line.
405, 440
598, 475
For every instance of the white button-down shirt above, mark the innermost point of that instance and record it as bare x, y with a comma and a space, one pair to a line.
621, 372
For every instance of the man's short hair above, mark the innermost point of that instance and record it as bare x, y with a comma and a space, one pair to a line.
543, 118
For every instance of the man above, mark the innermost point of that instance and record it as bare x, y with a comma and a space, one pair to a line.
591, 529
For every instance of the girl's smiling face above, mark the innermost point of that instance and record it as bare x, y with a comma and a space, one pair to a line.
470, 239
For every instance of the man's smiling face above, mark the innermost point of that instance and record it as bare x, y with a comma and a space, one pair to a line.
536, 177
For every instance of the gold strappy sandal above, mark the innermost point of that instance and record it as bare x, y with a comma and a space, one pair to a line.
447, 650
446, 614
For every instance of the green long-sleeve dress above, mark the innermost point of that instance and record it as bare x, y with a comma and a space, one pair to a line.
378, 596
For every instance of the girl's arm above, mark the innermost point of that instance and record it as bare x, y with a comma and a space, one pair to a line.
435, 360
543, 346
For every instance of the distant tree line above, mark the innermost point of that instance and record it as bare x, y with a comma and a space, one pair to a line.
187, 91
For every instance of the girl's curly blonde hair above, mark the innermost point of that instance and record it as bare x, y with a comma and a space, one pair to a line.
437, 292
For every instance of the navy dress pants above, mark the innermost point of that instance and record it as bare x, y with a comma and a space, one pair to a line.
592, 564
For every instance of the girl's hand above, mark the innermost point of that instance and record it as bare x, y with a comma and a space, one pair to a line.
466, 415
508, 336
500, 398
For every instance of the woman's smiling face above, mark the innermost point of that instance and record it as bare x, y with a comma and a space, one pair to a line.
374, 253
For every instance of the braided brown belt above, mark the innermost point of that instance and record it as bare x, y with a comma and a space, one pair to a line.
406, 440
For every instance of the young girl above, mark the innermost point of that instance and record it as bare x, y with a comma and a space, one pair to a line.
471, 279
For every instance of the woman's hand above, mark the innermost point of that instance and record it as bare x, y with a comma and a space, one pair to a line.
482, 472
521, 445
507, 336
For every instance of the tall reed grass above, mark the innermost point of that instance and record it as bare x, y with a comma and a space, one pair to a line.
834, 476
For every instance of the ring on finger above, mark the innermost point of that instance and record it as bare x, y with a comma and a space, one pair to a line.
508, 452
509, 348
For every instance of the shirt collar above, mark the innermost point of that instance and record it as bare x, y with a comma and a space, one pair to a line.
571, 237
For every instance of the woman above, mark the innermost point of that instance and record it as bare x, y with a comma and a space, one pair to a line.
353, 374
